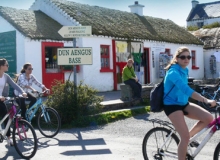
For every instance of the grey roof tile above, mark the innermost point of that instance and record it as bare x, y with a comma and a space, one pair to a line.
32, 24
121, 24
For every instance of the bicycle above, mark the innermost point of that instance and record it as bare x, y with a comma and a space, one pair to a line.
25, 143
48, 120
161, 142
206, 93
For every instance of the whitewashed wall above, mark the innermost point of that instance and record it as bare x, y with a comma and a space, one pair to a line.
205, 21
154, 72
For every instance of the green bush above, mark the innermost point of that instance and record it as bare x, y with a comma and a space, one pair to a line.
70, 107
212, 25
192, 28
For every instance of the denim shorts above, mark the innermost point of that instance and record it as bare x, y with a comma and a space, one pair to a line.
168, 109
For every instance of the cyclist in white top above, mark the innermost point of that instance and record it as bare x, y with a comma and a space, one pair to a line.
5, 79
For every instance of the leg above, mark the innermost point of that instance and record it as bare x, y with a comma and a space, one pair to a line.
198, 113
32, 99
178, 121
140, 89
3, 112
21, 102
134, 86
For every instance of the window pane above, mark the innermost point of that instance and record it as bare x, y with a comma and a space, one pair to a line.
102, 62
106, 51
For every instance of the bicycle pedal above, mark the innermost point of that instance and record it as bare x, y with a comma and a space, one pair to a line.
194, 144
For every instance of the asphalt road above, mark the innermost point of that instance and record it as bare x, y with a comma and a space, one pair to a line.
121, 140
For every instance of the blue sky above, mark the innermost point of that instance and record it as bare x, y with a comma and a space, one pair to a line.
175, 10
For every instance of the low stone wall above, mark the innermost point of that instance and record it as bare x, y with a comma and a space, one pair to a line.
126, 92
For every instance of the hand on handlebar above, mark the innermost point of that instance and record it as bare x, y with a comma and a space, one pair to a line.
211, 102
24, 95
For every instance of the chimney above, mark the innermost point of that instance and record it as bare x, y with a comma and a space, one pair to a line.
137, 8
194, 3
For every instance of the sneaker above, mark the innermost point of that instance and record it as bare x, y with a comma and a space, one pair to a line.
194, 144
10, 142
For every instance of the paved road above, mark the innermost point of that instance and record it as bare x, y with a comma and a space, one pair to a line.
120, 140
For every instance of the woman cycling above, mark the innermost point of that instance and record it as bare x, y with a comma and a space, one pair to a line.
176, 103
25, 80
5, 79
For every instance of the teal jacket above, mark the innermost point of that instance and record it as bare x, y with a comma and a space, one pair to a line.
178, 77
128, 73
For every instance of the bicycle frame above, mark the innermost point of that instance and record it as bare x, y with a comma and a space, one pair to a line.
34, 108
214, 126
11, 113
210, 95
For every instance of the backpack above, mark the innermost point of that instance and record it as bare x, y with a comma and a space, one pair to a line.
156, 97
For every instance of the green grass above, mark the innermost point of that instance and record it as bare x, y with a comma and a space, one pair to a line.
108, 117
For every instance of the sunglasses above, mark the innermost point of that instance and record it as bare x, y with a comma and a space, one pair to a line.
184, 57
30, 69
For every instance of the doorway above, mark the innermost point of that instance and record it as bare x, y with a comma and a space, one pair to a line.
146, 64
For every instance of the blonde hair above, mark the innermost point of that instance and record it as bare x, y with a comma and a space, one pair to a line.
130, 60
178, 52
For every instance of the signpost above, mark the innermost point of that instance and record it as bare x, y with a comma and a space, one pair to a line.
74, 56
74, 59
75, 31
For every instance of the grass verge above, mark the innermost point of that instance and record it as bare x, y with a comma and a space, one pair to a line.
108, 117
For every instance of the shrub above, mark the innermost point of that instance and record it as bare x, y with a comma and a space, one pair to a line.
192, 28
212, 25
72, 107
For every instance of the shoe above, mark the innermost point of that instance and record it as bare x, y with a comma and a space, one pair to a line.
10, 142
194, 144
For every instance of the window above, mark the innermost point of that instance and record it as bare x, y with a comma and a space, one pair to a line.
105, 58
194, 60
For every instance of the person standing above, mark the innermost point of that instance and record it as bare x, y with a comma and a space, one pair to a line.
129, 78
5, 79
176, 103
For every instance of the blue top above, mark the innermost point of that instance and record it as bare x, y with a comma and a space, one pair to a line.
181, 92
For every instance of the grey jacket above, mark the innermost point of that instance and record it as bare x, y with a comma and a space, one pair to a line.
9, 81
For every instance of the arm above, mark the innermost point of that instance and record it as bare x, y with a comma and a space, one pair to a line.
35, 81
128, 73
13, 84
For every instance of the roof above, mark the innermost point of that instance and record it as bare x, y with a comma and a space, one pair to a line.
107, 22
121, 24
210, 37
32, 24
205, 11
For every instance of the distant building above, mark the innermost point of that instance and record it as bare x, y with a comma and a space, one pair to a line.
116, 36
203, 14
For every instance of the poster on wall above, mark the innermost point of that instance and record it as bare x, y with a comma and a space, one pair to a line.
8, 51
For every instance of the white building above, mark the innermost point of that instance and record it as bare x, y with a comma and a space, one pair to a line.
116, 36
203, 14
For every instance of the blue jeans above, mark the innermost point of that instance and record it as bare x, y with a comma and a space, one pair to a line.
136, 87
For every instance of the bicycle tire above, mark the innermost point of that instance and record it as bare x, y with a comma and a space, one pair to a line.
154, 139
51, 128
217, 152
26, 147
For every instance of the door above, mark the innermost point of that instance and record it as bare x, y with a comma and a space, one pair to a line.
50, 70
146, 63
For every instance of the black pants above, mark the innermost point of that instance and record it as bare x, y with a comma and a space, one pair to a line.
21, 102
3, 112
136, 87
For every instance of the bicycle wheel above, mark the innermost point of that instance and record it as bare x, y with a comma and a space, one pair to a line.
25, 142
49, 122
154, 139
217, 152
